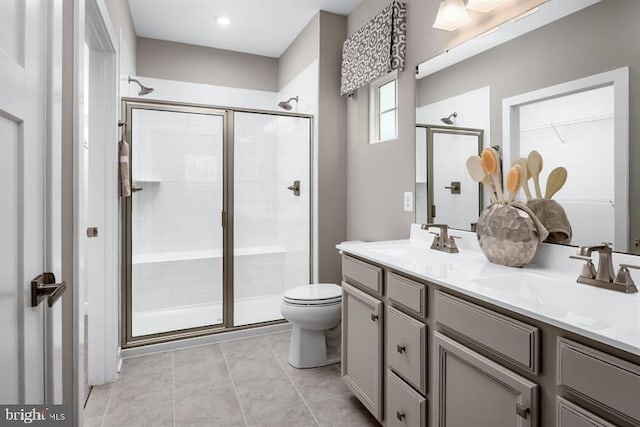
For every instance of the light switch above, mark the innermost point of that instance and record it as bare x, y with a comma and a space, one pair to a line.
408, 201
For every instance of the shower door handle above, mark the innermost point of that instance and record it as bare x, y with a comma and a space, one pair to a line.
295, 187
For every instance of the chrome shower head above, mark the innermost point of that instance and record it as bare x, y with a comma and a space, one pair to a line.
286, 105
144, 90
449, 120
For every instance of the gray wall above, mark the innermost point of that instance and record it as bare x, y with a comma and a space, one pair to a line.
198, 64
332, 153
302, 51
322, 40
378, 174
597, 39
120, 16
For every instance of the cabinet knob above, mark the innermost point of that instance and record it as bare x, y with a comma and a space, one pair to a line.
401, 348
374, 317
400, 415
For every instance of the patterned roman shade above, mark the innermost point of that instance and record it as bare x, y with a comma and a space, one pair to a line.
375, 49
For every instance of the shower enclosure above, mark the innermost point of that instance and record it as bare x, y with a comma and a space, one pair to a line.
218, 226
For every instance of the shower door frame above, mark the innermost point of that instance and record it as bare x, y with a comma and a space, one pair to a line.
431, 130
227, 219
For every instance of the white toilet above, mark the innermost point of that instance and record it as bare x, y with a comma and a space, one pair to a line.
314, 311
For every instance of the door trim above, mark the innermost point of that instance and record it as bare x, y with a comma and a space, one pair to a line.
103, 300
619, 79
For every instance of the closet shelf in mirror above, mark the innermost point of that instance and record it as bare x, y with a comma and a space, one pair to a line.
176, 256
568, 123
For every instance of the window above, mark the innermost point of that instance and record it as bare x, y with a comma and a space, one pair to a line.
383, 118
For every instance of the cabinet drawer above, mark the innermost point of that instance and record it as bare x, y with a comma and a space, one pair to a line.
507, 338
362, 274
571, 415
407, 293
405, 407
406, 349
600, 378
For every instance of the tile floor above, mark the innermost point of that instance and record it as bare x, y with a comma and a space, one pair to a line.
245, 382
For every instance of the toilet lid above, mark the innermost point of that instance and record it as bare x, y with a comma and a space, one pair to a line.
322, 293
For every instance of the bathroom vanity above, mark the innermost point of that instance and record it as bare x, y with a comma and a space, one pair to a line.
450, 340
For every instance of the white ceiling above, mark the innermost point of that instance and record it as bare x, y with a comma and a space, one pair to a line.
261, 27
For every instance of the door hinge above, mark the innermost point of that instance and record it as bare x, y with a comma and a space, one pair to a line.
522, 410
223, 215
433, 211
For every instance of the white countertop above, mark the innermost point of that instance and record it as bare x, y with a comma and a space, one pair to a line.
545, 290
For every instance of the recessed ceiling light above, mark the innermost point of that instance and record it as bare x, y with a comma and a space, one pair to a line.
223, 20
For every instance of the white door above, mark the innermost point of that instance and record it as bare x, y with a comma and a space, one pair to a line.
28, 31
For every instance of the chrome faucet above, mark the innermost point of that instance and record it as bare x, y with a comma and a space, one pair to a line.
442, 241
604, 276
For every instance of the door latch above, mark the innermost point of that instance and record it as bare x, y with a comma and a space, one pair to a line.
45, 286
295, 187
92, 232
454, 187
522, 410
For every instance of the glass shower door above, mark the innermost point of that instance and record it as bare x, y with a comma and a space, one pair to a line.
176, 231
271, 212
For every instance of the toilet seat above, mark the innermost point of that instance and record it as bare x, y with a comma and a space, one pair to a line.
320, 294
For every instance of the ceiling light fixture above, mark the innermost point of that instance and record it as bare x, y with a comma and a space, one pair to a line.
223, 21
452, 14
483, 6
524, 15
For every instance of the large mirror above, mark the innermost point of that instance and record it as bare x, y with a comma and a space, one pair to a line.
563, 82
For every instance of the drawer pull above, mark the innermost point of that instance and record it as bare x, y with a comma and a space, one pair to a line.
401, 348
522, 410
400, 415
374, 317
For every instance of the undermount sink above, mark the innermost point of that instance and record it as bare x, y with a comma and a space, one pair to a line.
394, 251
521, 280
555, 297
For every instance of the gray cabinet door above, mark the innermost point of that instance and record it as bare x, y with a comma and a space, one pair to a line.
472, 390
362, 368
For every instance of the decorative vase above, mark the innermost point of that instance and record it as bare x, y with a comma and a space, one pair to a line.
509, 235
